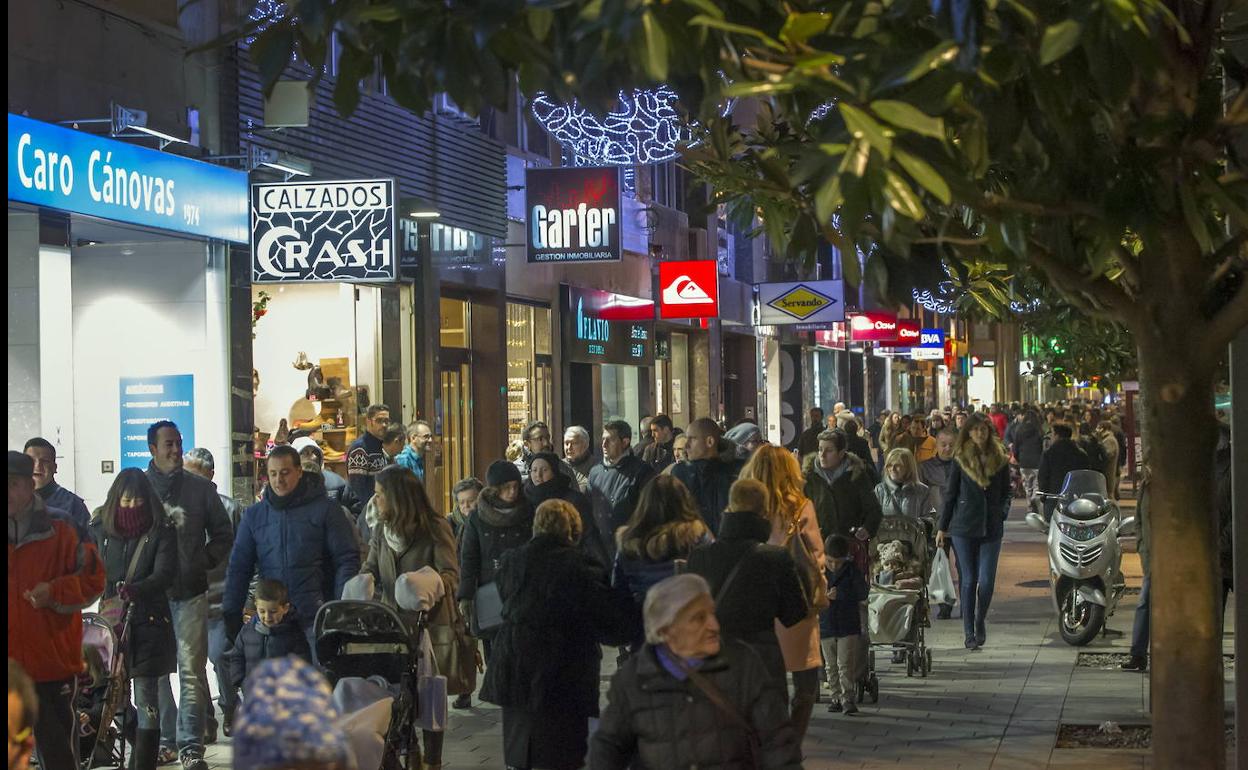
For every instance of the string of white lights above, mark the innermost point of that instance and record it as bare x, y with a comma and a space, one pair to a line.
645, 128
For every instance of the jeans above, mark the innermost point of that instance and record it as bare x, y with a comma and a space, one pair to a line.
1139, 631
217, 646
147, 700
841, 657
977, 569
56, 726
190, 627
1030, 476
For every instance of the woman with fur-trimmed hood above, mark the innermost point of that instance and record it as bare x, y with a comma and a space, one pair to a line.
665, 526
977, 500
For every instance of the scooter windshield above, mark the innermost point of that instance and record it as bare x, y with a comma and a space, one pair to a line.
1084, 484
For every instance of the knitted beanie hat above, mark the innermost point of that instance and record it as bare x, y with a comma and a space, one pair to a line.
287, 719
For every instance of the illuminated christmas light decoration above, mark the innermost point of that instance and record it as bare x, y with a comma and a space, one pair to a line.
645, 128
265, 12
821, 112
944, 302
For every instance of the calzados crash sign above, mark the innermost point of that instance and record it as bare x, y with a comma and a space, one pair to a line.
324, 231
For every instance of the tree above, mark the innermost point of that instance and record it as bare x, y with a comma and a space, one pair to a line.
1090, 140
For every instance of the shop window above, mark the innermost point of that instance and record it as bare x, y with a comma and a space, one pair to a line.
455, 329
529, 368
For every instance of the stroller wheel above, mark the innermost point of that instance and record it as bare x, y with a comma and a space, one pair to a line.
910, 665
861, 691
873, 684
927, 658
920, 662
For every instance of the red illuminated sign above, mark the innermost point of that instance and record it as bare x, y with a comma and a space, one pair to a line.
872, 327
689, 289
907, 336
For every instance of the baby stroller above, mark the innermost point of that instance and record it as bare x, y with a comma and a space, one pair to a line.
898, 600
101, 742
363, 644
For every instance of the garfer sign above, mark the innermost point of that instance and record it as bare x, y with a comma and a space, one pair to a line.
87, 174
573, 214
324, 231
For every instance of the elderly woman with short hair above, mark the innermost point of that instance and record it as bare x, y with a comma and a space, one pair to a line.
690, 699
558, 607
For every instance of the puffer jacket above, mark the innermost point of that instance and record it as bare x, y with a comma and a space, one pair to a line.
709, 480
846, 504
492, 530
301, 540
341, 492
49, 549
257, 642
204, 532
658, 722
913, 500
614, 490
152, 650
637, 572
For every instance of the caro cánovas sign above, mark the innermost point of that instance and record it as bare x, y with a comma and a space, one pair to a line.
324, 231
573, 214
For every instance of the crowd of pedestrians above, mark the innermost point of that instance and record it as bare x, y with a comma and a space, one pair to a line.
726, 572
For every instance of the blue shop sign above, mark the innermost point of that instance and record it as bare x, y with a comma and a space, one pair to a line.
932, 338
145, 400
87, 174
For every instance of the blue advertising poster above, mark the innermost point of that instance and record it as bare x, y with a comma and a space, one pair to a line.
88, 174
145, 400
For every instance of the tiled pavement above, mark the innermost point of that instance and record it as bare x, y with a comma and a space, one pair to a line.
996, 708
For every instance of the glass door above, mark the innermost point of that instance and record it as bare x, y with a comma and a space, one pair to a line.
455, 426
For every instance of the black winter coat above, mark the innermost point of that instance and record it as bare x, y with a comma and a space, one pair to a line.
257, 642
563, 487
1062, 457
654, 721
842, 617
972, 511
613, 492
152, 650
203, 528
557, 609
1028, 445
484, 543
709, 481
766, 589
847, 504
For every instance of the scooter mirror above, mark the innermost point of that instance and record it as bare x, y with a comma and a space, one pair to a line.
1036, 522
1128, 527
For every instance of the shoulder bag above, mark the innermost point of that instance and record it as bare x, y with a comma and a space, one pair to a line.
112, 608
720, 701
487, 608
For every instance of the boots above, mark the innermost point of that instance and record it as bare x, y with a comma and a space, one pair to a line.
146, 747
799, 715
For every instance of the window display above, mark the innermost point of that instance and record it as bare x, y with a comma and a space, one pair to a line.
529, 367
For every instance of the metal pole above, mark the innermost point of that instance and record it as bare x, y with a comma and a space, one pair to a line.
1239, 497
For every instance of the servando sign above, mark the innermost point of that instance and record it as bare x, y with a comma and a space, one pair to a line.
801, 302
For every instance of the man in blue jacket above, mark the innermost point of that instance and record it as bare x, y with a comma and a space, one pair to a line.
54, 495
296, 535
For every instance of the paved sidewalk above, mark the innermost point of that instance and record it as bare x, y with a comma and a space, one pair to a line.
997, 708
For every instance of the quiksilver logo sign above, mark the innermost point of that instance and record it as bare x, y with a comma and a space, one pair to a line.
324, 231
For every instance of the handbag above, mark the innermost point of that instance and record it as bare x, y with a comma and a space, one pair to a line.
807, 567
487, 608
457, 654
720, 701
112, 608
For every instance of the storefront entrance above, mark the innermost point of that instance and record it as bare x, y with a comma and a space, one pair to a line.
454, 422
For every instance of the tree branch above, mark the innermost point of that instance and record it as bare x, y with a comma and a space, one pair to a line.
1223, 327
1226, 255
1038, 208
1111, 301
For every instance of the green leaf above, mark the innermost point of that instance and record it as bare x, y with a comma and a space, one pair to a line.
909, 117
829, 198
707, 7
943, 53
902, 197
703, 20
800, 27
925, 175
377, 13
1059, 40
862, 126
756, 89
656, 47
1195, 222
855, 161
540, 21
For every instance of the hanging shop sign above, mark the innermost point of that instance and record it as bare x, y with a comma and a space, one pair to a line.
573, 214
449, 246
932, 338
689, 289
600, 327
836, 337
146, 400
927, 354
805, 302
907, 335
324, 231
872, 327
69, 170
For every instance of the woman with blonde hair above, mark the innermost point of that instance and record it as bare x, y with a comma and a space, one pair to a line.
558, 607
900, 492
977, 500
793, 525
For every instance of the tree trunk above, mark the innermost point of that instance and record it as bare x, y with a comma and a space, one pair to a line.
1186, 637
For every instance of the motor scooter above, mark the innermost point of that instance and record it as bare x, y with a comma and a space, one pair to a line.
1085, 558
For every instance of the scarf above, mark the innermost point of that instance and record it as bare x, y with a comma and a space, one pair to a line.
397, 542
131, 521
311, 485
556, 488
167, 485
981, 465
496, 513
668, 659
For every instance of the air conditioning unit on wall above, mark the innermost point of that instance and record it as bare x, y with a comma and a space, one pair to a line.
444, 106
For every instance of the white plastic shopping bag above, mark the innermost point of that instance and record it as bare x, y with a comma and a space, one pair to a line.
430, 690
940, 587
